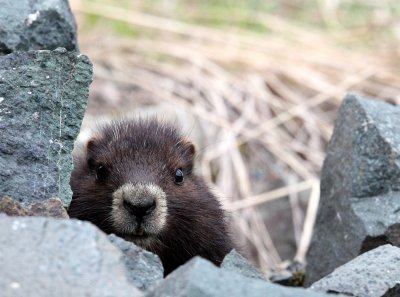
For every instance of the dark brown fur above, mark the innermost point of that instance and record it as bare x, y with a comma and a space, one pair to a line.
151, 152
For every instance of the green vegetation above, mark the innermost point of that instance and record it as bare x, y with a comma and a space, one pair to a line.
117, 27
368, 23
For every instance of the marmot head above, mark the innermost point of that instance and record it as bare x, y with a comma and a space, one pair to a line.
127, 176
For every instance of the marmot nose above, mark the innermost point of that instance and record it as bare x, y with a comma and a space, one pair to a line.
141, 209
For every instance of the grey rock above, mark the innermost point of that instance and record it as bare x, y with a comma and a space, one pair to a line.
360, 199
373, 274
145, 269
293, 275
36, 25
237, 263
393, 292
43, 97
200, 278
54, 257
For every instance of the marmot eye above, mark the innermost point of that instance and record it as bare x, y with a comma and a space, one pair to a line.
179, 176
101, 173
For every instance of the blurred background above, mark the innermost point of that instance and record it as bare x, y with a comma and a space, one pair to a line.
255, 84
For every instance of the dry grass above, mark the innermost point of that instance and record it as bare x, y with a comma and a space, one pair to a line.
267, 104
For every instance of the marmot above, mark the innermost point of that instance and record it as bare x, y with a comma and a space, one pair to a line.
135, 178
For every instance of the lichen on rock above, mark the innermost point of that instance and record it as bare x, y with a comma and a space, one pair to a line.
43, 97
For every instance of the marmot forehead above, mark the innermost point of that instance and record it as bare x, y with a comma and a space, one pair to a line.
148, 133
140, 145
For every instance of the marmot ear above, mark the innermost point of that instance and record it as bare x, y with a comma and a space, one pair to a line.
91, 152
190, 150
189, 153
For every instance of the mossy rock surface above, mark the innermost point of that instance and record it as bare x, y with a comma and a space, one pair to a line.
43, 96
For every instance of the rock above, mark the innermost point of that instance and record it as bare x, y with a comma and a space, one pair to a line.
237, 263
199, 277
36, 25
42, 101
360, 198
145, 269
293, 275
52, 207
52, 257
12, 208
393, 292
373, 274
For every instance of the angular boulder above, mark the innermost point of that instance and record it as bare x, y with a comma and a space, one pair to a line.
145, 269
43, 97
235, 262
373, 274
360, 199
200, 278
393, 292
36, 25
42, 257
293, 275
